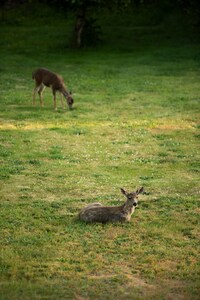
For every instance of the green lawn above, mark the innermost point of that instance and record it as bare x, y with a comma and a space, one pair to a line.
134, 123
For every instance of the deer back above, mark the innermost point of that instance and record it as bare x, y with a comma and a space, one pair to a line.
102, 214
48, 78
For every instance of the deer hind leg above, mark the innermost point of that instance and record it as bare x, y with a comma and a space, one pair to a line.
40, 91
34, 93
92, 205
36, 90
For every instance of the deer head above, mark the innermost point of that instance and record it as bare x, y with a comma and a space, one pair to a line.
132, 197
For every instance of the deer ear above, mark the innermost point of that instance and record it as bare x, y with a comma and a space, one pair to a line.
139, 191
123, 191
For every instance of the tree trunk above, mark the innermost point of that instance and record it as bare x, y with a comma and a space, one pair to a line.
77, 40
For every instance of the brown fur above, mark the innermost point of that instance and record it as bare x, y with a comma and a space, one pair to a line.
44, 77
96, 212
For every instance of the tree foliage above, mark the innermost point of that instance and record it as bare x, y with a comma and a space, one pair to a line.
86, 30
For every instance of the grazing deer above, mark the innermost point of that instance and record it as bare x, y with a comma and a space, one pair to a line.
96, 212
44, 77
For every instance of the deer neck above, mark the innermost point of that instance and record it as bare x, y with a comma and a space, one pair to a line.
65, 92
128, 208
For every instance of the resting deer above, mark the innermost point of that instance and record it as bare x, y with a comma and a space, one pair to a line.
44, 77
96, 212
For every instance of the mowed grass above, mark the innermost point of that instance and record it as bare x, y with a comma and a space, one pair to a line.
134, 123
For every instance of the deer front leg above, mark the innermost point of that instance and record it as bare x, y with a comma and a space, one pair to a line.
54, 99
61, 99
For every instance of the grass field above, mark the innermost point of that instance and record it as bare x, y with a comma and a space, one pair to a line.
134, 123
